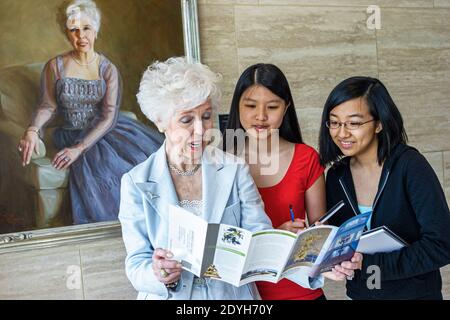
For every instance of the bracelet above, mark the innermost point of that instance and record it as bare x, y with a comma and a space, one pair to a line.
36, 130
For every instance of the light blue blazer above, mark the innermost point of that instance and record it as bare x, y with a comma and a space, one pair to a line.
229, 196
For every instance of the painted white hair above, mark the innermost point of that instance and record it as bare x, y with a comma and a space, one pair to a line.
173, 85
84, 8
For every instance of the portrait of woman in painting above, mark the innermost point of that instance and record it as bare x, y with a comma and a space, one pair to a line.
96, 143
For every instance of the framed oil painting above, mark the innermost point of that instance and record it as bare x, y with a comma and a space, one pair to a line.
35, 202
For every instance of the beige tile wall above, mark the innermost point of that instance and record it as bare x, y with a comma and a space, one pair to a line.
44, 274
38, 274
447, 173
318, 43
442, 3
51, 273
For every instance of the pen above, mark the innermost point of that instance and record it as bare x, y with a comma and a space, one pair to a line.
291, 212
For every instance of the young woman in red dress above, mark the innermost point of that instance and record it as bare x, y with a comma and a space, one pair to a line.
286, 171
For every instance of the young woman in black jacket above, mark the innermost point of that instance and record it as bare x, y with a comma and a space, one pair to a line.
372, 169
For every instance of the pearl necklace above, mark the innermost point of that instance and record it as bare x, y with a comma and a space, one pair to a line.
85, 64
186, 173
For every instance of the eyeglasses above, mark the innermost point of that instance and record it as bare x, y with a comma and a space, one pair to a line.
350, 125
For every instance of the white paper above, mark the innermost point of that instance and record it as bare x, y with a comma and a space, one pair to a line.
187, 234
267, 255
230, 254
378, 241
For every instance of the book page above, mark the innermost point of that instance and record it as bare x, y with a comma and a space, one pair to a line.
307, 248
187, 234
343, 244
267, 255
230, 253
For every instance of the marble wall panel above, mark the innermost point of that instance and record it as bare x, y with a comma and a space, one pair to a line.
442, 3
315, 47
414, 63
447, 175
103, 265
40, 274
218, 46
353, 3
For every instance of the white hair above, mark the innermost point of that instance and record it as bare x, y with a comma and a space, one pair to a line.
173, 85
84, 8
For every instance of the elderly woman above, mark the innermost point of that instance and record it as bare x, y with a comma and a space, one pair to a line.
96, 142
181, 98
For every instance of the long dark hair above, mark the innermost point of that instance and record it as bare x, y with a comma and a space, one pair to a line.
381, 107
272, 78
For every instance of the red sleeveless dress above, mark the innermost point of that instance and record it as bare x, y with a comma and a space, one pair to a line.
303, 171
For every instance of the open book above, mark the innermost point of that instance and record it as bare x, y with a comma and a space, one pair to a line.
238, 256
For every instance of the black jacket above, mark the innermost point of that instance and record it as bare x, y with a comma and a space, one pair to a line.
410, 201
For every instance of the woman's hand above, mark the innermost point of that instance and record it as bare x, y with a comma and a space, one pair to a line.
293, 226
66, 157
165, 270
346, 270
27, 144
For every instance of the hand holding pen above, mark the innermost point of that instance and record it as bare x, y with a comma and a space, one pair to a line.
294, 224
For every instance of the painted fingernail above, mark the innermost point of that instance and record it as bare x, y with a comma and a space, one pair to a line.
169, 255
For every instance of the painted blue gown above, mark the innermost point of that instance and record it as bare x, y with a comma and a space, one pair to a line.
114, 143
